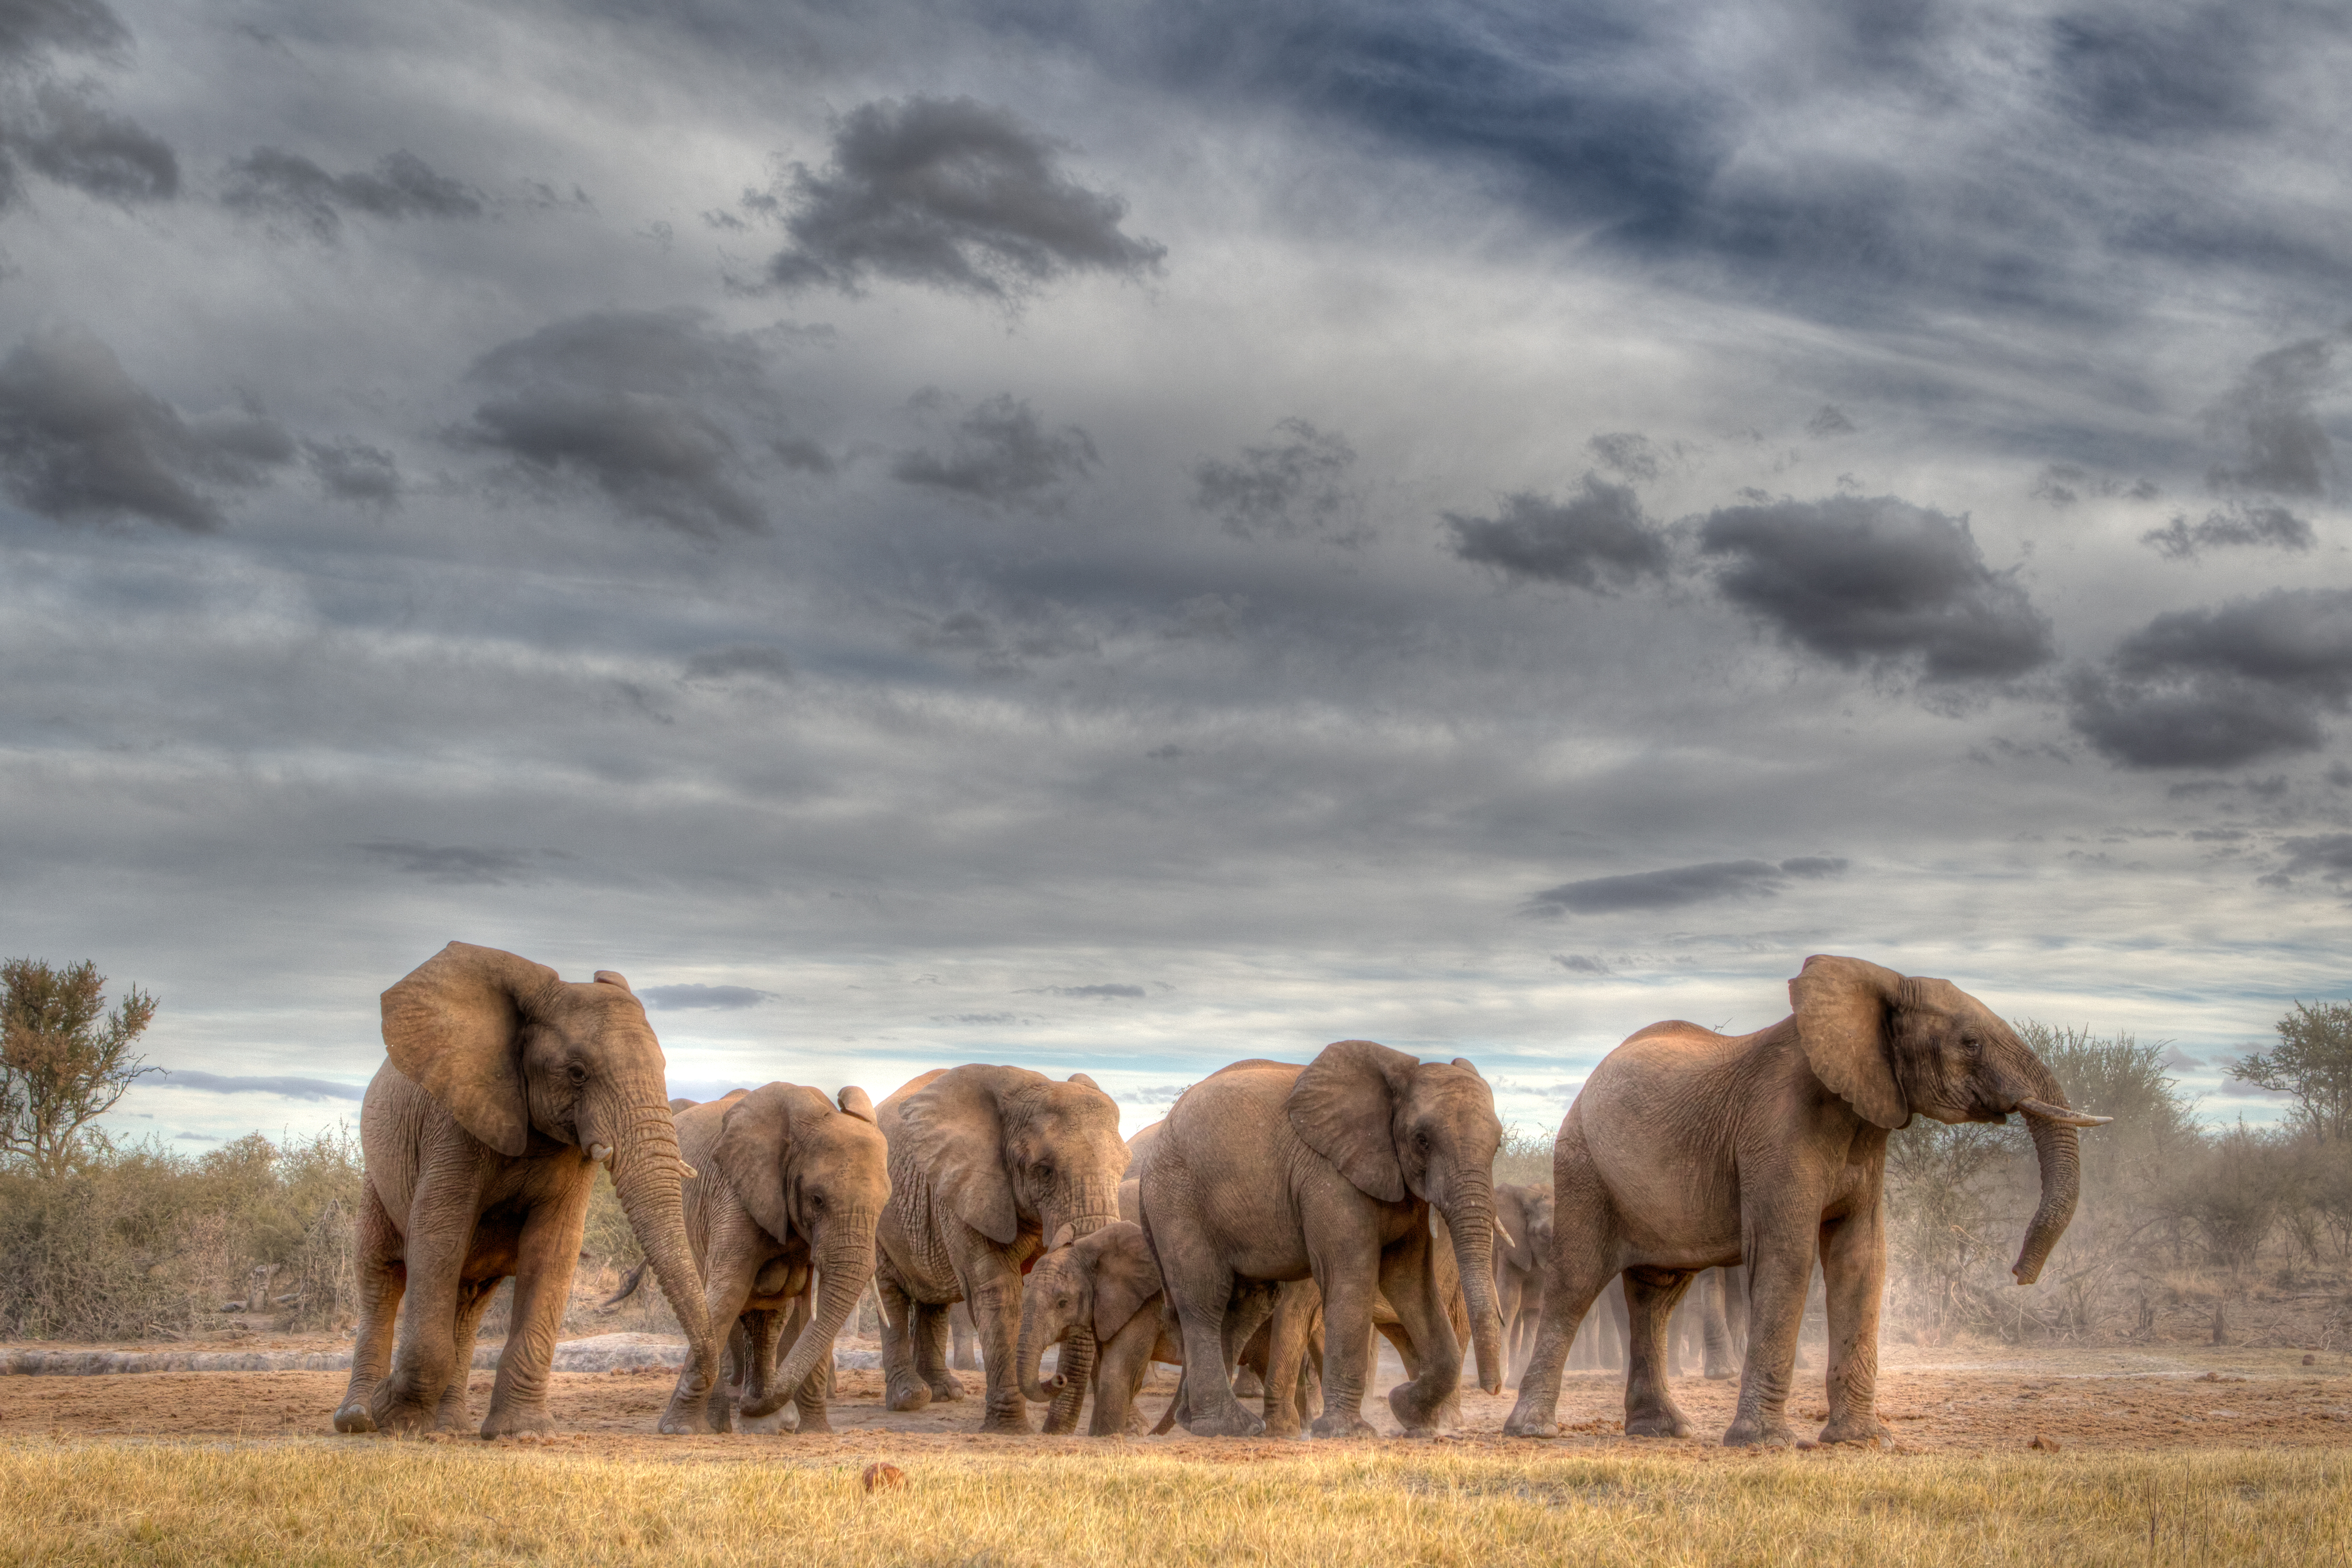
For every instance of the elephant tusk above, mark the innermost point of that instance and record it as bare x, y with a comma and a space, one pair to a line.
1504, 1234
599, 1152
2060, 1114
685, 1172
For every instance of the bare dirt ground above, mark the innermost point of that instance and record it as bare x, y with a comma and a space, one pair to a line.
1940, 1400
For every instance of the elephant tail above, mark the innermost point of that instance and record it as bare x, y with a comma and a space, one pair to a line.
1167, 1416
629, 1283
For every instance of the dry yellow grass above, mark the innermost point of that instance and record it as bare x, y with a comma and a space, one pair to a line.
336, 1502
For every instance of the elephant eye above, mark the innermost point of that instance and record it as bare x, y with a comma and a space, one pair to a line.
576, 1073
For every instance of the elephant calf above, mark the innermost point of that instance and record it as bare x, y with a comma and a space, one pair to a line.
1101, 1289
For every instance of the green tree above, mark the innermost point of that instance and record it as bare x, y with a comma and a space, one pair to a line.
2313, 1063
64, 1058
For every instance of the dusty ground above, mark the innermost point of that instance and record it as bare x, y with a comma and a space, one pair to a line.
1936, 1401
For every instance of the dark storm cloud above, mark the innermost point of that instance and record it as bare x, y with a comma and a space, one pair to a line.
452, 863
1577, 964
2160, 74
2271, 526
740, 658
76, 143
355, 471
1002, 456
2268, 416
1861, 580
639, 403
29, 27
1678, 885
952, 194
1296, 485
290, 1088
1627, 454
79, 439
272, 182
2330, 855
2213, 689
722, 998
1594, 540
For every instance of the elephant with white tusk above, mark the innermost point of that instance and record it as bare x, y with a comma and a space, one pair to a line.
506, 1087
1689, 1149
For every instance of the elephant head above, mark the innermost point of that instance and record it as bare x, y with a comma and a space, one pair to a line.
1524, 1215
803, 1165
1008, 1150
1896, 1046
528, 1062
1396, 1127
1083, 1291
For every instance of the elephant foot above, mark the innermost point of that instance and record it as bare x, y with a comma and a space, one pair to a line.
1423, 1415
1012, 1418
398, 1416
1230, 1422
1666, 1423
719, 1411
685, 1417
518, 1421
1865, 1429
351, 1417
1341, 1424
948, 1390
812, 1422
1749, 1433
905, 1392
1537, 1415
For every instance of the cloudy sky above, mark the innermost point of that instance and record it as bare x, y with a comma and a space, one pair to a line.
1118, 535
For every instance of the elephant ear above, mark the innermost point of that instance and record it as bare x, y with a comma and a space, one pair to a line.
857, 1103
957, 1136
1124, 1278
1842, 1016
613, 977
452, 1027
1344, 1108
754, 1152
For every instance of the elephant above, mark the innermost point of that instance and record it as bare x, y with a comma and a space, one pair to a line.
1130, 1181
505, 1086
1689, 1149
963, 1340
791, 1185
1271, 1172
985, 1163
1525, 1214
1104, 1286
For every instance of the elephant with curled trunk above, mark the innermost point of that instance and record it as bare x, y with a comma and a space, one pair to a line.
1689, 1149
788, 1190
985, 1163
505, 1086
1269, 1171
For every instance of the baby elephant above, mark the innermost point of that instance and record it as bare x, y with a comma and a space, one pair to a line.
1101, 1288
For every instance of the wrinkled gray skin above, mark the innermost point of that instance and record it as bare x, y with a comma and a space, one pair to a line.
1525, 1215
1130, 1183
505, 1085
789, 1190
1269, 1171
985, 1163
1688, 1150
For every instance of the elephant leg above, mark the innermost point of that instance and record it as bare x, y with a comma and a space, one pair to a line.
1854, 1265
473, 1300
546, 1255
963, 1353
930, 1332
1349, 1290
730, 1270
1575, 1275
440, 1235
1651, 1297
994, 1288
380, 1278
1617, 1343
1120, 1365
1719, 1355
1734, 1281
736, 1380
1780, 1270
903, 1385
1409, 1281
1507, 1291
1286, 1358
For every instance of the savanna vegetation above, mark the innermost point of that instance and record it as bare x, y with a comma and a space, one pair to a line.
1402, 1504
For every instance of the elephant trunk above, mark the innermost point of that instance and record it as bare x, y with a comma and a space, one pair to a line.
1086, 1205
1472, 1221
2058, 1151
1076, 1370
1039, 1329
843, 1271
647, 1175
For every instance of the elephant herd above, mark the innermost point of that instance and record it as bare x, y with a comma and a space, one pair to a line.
1280, 1217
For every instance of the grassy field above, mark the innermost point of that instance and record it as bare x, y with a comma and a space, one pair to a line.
327, 1502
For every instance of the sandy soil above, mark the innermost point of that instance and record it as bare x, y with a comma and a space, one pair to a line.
1935, 1401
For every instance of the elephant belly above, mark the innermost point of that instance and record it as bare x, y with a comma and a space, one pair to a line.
496, 1246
